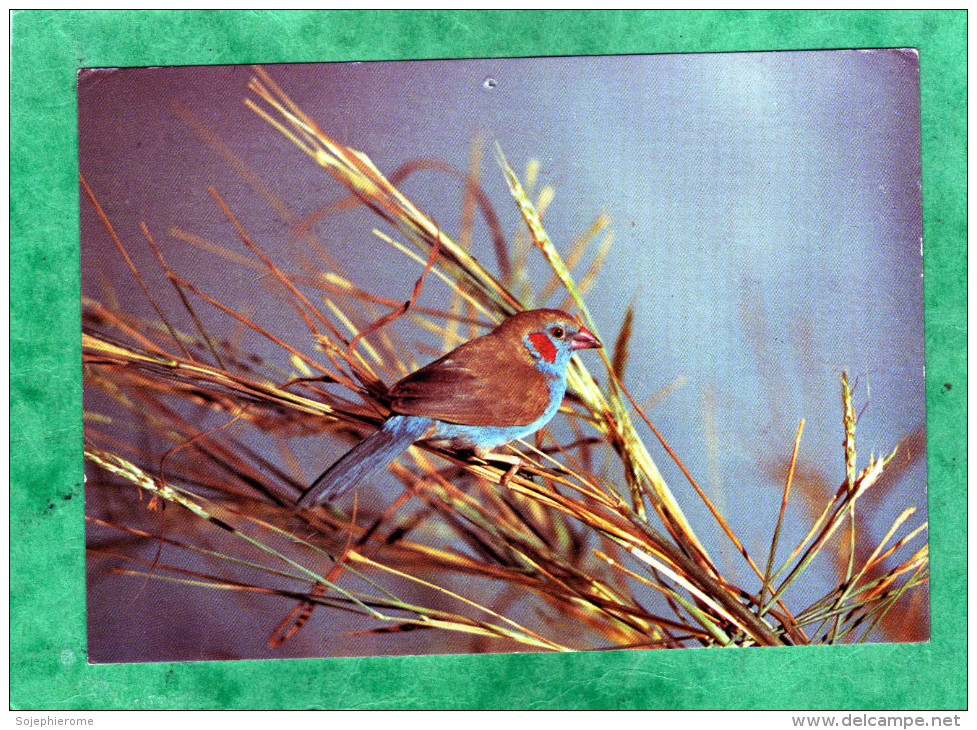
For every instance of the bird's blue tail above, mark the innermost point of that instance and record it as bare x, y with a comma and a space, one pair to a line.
367, 457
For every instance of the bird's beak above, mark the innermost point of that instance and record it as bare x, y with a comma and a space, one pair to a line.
584, 339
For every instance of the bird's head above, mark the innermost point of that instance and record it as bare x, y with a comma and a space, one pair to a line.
550, 336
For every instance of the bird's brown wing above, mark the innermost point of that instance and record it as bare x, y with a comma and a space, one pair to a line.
477, 384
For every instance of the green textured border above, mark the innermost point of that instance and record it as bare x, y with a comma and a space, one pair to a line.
47, 606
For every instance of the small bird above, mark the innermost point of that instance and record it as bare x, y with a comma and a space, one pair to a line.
491, 390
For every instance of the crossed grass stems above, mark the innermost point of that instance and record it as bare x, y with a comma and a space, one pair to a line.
600, 570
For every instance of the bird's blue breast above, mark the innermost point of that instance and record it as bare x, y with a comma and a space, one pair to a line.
486, 438
489, 437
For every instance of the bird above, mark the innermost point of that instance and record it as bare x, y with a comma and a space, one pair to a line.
502, 386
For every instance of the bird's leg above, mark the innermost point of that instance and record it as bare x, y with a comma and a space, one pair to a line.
513, 460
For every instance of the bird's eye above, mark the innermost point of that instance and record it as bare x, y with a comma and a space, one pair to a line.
557, 332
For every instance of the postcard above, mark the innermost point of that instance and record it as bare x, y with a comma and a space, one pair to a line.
503, 355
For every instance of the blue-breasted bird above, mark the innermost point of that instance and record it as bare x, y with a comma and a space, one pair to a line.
491, 390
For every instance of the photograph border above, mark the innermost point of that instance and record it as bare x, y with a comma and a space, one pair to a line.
48, 665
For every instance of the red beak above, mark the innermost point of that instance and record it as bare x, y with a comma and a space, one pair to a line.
584, 339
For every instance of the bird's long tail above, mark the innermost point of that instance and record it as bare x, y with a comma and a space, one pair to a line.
367, 457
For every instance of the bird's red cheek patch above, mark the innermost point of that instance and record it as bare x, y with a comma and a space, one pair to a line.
543, 345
